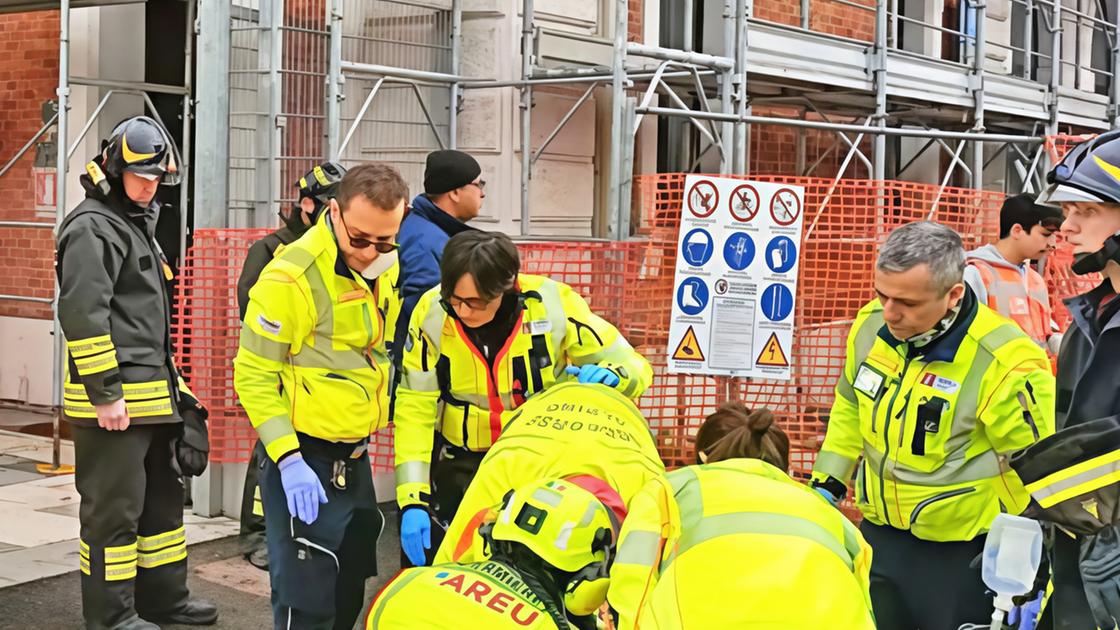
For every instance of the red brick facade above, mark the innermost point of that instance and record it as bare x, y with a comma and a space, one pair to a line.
825, 16
28, 77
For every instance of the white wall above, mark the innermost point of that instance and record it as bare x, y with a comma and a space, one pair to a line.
25, 367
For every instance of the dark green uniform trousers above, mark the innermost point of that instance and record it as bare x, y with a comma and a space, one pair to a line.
133, 552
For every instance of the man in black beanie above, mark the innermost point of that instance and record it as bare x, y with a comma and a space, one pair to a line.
453, 194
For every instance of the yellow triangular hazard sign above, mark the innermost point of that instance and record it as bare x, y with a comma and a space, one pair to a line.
773, 355
689, 348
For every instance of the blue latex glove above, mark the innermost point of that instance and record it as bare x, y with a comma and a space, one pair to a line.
592, 373
416, 535
302, 487
1025, 617
827, 495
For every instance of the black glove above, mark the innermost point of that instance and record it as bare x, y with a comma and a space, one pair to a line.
192, 448
1100, 573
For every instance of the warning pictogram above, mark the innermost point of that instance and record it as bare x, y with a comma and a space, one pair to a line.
772, 355
689, 348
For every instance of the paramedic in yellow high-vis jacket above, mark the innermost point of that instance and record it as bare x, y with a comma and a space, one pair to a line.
313, 373
936, 391
479, 345
734, 542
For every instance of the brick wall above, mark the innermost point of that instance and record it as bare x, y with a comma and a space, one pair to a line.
825, 16
773, 149
28, 76
634, 19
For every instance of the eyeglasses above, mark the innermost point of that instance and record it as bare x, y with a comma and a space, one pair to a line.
382, 247
480, 183
473, 303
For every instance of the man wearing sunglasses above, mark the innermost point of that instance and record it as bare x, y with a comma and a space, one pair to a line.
478, 346
453, 194
313, 373
316, 189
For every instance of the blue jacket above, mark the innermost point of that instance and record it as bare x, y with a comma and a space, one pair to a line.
424, 233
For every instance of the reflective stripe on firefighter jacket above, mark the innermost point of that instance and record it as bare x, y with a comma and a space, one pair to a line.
114, 311
738, 544
568, 431
453, 596
1021, 298
313, 355
932, 423
448, 386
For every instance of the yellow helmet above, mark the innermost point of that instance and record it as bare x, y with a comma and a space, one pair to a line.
567, 527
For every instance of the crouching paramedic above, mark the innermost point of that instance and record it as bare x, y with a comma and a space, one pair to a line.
550, 547
132, 416
936, 390
479, 345
589, 434
313, 373
804, 565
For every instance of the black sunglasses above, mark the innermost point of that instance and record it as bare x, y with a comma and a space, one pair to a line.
382, 247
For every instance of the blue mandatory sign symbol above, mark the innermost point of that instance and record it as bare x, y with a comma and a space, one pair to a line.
738, 251
781, 254
777, 302
692, 296
697, 247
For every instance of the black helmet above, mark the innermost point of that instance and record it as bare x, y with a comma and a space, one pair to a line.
1090, 172
140, 145
321, 183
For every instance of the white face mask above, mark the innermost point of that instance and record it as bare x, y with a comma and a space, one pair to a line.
380, 265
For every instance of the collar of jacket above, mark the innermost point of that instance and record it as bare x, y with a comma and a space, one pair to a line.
450, 226
944, 348
1084, 309
119, 203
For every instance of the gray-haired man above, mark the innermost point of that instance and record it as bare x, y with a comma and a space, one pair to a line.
936, 388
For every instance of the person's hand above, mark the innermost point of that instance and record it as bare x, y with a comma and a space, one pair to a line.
1100, 574
592, 373
302, 488
827, 495
1025, 616
112, 416
416, 535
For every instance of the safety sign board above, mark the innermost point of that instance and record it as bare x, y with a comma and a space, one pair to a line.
772, 353
689, 348
735, 291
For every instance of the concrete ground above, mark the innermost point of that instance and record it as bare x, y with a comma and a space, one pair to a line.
217, 573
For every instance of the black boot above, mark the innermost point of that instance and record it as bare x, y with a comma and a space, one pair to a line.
196, 612
136, 623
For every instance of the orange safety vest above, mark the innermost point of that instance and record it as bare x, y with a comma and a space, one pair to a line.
1023, 300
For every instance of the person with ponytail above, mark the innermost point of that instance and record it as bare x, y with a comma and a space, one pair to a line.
734, 542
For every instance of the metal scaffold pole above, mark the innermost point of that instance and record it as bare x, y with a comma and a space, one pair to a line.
617, 227
334, 79
526, 112
879, 71
456, 68
977, 80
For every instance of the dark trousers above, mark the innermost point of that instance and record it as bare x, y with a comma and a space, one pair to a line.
318, 571
133, 554
918, 584
252, 512
452, 472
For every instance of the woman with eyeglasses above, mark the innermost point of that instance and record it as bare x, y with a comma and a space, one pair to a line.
480, 344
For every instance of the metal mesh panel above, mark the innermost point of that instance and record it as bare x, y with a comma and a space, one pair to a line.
243, 117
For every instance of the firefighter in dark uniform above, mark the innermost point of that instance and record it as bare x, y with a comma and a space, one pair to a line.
316, 189
137, 429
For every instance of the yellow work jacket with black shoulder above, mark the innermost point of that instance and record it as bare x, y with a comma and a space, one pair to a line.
313, 353
448, 386
572, 430
738, 544
114, 310
486, 594
932, 424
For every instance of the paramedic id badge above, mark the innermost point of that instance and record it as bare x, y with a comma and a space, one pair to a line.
869, 381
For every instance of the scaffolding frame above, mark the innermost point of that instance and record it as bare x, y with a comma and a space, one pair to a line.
726, 127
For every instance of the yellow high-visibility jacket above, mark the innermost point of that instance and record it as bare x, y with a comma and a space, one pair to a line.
485, 594
930, 424
738, 544
313, 356
448, 386
569, 430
